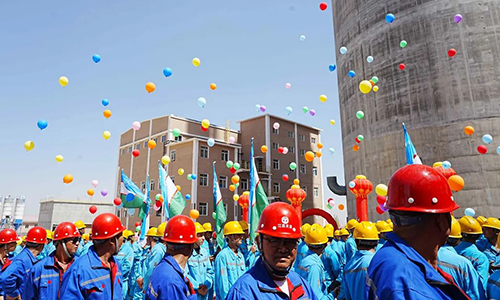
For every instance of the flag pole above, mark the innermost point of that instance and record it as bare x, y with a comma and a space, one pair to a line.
131, 169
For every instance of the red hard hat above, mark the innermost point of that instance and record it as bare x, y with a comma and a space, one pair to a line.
106, 226
65, 230
8, 236
280, 220
37, 235
181, 230
419, 188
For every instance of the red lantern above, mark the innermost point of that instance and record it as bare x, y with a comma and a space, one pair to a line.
482, 149
243, 201
402, 67
285, 177
452, 52
92, 209
296, 195
362, 187
117, 201
136, 153
137, 224
381, 200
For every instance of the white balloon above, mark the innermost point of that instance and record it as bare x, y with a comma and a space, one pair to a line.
136, 125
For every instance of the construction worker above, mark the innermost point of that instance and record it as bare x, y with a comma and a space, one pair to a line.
354, 274
330, 259
97, 275
350, 244
87, 238
168, 280
244, 247
8, 243
49, 247
271, 278
419, 202
43, 280
135, 291
459, 267
208, 244
81, 228
302, 247
151, 240
158, 250
481, 242
471, 230
383, 228
199, 268
493, 288
125, 258
344, 235
12, 278
229, 263
491, 229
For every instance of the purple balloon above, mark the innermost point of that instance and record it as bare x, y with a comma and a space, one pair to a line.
104, 193
383, 207
457, 18
312, 112
262, 108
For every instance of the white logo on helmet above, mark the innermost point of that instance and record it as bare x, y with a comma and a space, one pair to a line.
285, 220
284, 223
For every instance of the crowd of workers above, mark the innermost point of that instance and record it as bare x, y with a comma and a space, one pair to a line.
421, 252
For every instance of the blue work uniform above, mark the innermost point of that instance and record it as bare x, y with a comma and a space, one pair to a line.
462, 271
125, 258
399, 272
311, 268
302, 249
482, 243
490, 251
168, 282
199, 271
258, 284
12, 278
229, 267
494, 286
332, 265
381, 243
47, 250
339, 248
350, 248
135, 292
88, 278
152, 260
354, 276
252, 258
478, 260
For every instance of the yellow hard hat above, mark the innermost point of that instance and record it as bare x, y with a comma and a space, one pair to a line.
127, 233
161, 229
304, 228
244, 225
336, 233
351, 224
151, 231
481, 220
232, 227
492, 223
329, 230
470, 225
85, 237
316, 235
366, 231
208, 226
80, 224
382, 226
199, 228
343, 231
456, 230
50, 234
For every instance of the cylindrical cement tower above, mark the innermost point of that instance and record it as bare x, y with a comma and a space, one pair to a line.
436, 96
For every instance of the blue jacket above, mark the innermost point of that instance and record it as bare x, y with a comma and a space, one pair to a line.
257, 284
354, 276
12, 277
494, 286
199, 271
381, 243
47, 250
332, 265
301, 254
339, 248
125, 258
152, 260
169, 282
350, 248
399, 272
490, 251
462, 271
88, 278
229, 267
482, 243
83, 248
312, 269
478, 259
139, 255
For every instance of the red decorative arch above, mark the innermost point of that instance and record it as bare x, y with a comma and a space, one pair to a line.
321, 213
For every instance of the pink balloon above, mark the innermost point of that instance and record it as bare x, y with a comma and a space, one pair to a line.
95, 183
136, 125
231, 140
285, 150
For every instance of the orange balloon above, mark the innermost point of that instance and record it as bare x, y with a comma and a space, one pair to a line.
90, 192
469, 130
232, 188
341, 206
320, 145
235, 179
213, 86
456, 183
296, 181
355, 148
318, 154
309, 156
150, 87
263, 148
151, 144
194, 214
68, 178
107, 113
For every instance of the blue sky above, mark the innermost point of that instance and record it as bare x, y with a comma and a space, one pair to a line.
250, 49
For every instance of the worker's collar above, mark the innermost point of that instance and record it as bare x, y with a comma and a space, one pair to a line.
266, 283
30, 255
171, 261
94, 260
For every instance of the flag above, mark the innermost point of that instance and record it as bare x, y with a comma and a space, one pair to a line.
411, 153
173, 200
128, 187
220, 212
258, 198
144, 212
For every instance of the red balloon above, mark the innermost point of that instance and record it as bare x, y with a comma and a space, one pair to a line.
402, 66
158, 203
381, 200
452, 52
285, 177
357, 140
137, 224
136, 153
323, 6
203, 128
482, 149
117, 201
232, 170
92, 209
280, 149
379, 210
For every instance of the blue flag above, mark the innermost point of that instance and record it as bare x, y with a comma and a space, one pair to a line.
411, 153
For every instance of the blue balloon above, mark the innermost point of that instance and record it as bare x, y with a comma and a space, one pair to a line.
289, 110
332, 67
188, 196
193, 176
42, 124
446, 164
352, 184
131, 211
498, 150
167, 72
369, 59
390, 18
211, 142
352, 73
487, 138
129, 197
469, 212
96, 58
105, 102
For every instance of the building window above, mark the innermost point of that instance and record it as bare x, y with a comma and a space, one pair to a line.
290, 134
316, 192
203, 208
156, 140
143, 185
276, 131
163, 138
145, 144
152, 185
203, 179
204, 152
244, 184
172, 155
173, 178
276, 187
225, 155
276, 146
138, 146
225, 208
302, 152
305, 188
123, 151
291, 149
223, 182
129, 149
315, 171
178, 138
313, 140
276, 164
302, 137
303, 169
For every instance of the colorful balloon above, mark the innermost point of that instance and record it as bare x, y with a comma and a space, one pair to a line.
94, 183
456, 183
284, 177
117, 201
107, 113
231, 140
389, 18
136, 152
276, 125
332, 122
205, 123
302, 38
104, 193
332, 151
457, 18
229, 164
288, 85
232, 188
106, 135
305, 109
403, 44
188, 196
235, 179
136, 125
351, 73
452, 52
93, 209
355, 148
332, 67
320, 145
446, 164
469, 130
211, 142
360, 114
236, 197
402, 67
343, 50
375, 88
202, 102
482, 149
365, 87
96, 58
196, 62
236, 166
352, 184
312, 112
369, 59
381, 189
151, 144
59, 158
167, 72
381, 199
257, 107
213, 86
374, 79
180, 171
90, 192
309, 156
323, 98
262, 108
176, 132
487, 139
263, 148
63, 81
323, 6
318, 153
194, 214
341, 206
166, 160
498, 150
105, 102
42, 124
469, 212
285, 150
293, 166
68, 178
289, 110
29, 145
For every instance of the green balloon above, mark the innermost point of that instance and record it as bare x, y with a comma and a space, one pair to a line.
237, 184
403, 44
329, 206
293, 166
138, 228
229, 164
375, 79
189, 177
236, 166
360, 114
305, 109
176, 132
361, 138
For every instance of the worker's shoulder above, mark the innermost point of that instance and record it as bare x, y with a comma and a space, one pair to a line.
390, 258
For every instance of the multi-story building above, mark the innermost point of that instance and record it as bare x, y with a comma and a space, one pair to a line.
191, 152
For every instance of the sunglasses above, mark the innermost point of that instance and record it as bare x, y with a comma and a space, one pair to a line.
74, 240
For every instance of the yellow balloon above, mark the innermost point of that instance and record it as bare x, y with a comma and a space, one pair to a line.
151, 144
381, 189
205, 123
196, 61
365, 86
332, 122
166, 160
178, 187
236, 197
375, 88
194, 214
180, 171
106, 135
59, 158
323, 98
437, 164
63, 80
29, 145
